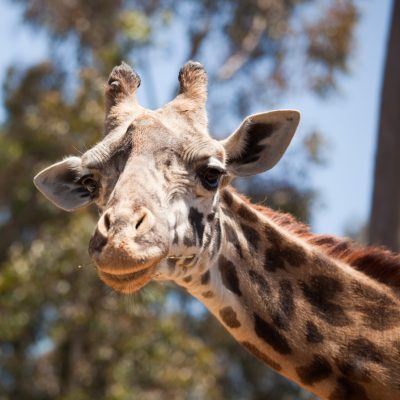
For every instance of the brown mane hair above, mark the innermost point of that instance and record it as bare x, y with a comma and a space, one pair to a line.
378, 263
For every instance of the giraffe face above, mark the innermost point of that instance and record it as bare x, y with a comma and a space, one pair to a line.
156, 176
152, 195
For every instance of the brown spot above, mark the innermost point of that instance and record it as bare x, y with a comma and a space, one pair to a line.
285, 310
353, 370
313, 335
196, 220
364, 292
273, 236
348, 390
294, 255
279, 320
273, 260
229, 275
187, 279
228, 315
251, 235
208, 295
210, 217
270, 335
247, 213
378, 310
260, 355
379, 318
286, 298
318, 370
320, 292
205, 278
379, 263
365, 349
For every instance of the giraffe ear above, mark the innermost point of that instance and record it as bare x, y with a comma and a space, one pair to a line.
60, 184
260, 141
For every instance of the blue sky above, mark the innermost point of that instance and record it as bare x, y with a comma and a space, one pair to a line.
348, 119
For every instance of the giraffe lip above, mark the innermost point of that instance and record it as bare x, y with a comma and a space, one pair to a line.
191, 257
127, 266
127, 283
122, 270
130, 276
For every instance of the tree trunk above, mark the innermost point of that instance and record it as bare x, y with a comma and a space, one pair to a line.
384, 228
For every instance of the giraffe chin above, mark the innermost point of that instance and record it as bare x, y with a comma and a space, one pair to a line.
128, 282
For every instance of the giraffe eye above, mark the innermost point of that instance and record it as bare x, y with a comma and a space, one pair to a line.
210, 178
89, 183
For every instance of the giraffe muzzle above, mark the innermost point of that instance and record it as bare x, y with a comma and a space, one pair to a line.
126, 247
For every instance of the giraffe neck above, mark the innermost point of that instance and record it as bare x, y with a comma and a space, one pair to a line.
313, 319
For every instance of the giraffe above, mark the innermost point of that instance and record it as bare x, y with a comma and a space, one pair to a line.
319, 310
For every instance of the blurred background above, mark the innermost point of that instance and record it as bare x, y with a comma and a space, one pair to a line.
63, 334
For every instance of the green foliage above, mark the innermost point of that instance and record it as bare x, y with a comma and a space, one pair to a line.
68, 337
329, 43
62, 333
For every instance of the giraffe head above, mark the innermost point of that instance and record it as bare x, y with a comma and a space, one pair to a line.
156, 176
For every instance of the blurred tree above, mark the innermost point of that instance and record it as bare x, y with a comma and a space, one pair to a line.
62, 333
384, 227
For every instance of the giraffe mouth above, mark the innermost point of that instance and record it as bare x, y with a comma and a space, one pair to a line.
127, 282
183, 258
124, 281
128, 277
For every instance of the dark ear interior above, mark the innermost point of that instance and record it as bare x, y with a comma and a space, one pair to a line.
60, 184
260, 141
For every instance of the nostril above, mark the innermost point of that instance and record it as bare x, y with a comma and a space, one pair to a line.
139, 222
144, 221
107, 222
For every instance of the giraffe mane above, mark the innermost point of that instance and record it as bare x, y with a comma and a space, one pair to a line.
378, 263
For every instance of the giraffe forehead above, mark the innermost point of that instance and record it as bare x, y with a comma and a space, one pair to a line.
151, 135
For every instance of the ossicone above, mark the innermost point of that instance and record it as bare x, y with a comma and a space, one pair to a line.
193, 81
